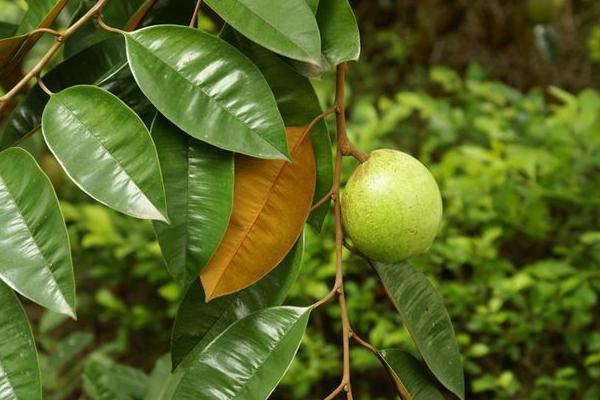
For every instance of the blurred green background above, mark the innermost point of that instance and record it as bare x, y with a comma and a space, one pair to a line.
500, 99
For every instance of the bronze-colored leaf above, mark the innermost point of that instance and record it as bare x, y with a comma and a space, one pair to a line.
272, 200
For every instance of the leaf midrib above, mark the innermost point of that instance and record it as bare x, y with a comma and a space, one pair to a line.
111, 154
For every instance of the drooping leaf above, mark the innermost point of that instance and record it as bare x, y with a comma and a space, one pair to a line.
340, 38
412, 374
106, 149
199, 187
208, 89
19, 366
36, 257
40, 14
423, 313
298, 104
198, 323
339, 32
272, 200
97, 65
120, 14
289, 29
248, 360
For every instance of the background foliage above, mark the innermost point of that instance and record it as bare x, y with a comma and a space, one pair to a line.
518, 162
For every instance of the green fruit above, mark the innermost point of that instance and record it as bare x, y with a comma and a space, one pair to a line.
543, 11
391, 207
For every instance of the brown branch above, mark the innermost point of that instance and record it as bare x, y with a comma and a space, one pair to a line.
322, 201
346, 147
92, 12
195, 14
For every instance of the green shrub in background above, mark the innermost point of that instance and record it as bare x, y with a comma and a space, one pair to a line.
517, 260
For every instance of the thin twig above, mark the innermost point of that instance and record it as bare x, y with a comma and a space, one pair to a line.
335, 392
322, 201
195, 14
43, 86
45, 30
92, 12
364, 343
107, 27
339, 233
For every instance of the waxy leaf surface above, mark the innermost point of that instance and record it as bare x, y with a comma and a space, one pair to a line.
289, 28
298, 104
35, 254
106, 149
199, 186
412, 374
208, 89
19, 367
272, 200
423, 313
198, 323
248, 360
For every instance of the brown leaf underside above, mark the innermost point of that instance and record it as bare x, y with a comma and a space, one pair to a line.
271, 202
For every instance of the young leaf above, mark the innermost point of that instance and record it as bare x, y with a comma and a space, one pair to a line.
36, 258
411, 374
423, 313
199, 187
298, 104
248, 360
97, 65
198, 323
289, 29
106, 150
208, 89
20, 371
271, 202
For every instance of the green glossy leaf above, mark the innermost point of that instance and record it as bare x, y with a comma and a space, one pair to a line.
298, 104
423, 313
97, 65
340, 38
198, 323
412, 374
36, 257
208, 89
289, 28
106, 150
248, 360
199, 186
19, 367
339, 32
116, 13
